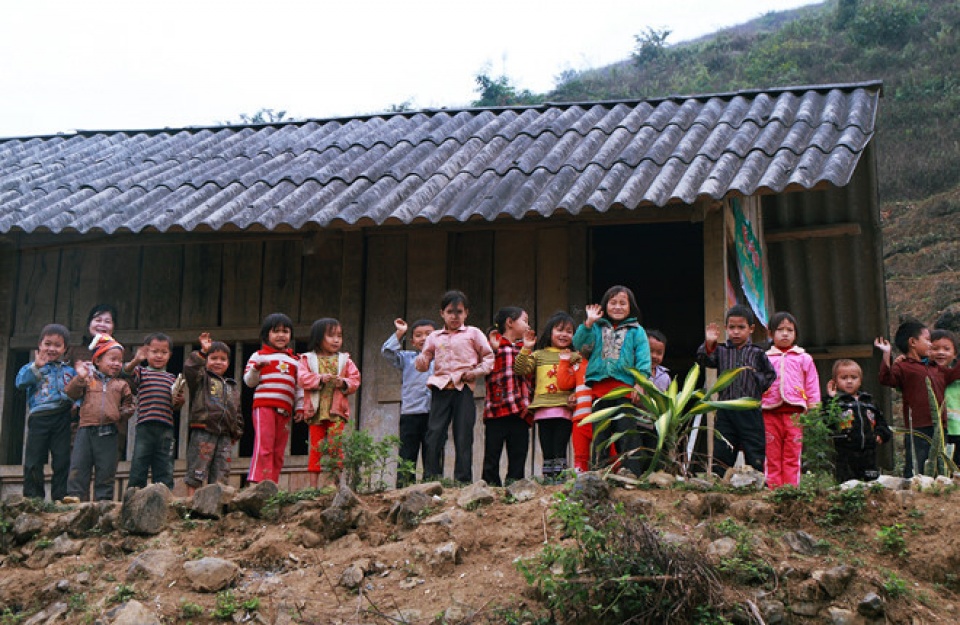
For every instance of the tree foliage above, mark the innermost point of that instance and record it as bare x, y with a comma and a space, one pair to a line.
501, 91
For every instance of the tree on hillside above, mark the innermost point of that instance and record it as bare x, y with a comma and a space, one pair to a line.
262, 116
650, 46
501, 92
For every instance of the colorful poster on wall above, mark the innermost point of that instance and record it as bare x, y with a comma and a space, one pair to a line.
749, 263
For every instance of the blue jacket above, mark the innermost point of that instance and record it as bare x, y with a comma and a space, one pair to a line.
414, 392
45, 387
613, 351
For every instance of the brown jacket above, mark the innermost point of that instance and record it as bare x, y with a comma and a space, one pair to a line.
105, 400
214, 401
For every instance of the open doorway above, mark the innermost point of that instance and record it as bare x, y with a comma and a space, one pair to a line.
662, 264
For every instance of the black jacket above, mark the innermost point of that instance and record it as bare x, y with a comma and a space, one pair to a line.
860, 422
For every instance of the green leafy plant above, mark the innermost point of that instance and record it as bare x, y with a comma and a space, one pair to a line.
820, 424
122, 594
43, 543
846, 506
364, 461
892, 540
615, 568
226, 604
285, 498
667, 412
894, 585
189, 609
744, 565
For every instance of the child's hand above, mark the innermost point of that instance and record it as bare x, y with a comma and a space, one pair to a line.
565, 354
401, 327
529, 339
83, 368
572, 400
594, 313
142, 353
831, 388
469, 376
326, 377
712, 334
879, 440
40, 360
205, 342
259, 362
882, 344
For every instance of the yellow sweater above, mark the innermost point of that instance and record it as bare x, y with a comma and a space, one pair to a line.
547, 392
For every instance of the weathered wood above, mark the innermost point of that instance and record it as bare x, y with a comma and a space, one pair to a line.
202, 280
11, 429
714, 296
77, 287
385, 294
282, 267
833, 352
471, 271
579, 280
812, 232
552, 274
351, 292
242, 279
37, 291
322, 279
515, 272
160, 290
119, 284
426, 273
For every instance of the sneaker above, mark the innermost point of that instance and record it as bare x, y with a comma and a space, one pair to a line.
69, 499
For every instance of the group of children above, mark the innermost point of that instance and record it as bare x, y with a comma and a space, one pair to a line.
554, 380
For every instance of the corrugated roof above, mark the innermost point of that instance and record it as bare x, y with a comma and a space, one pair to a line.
436, 165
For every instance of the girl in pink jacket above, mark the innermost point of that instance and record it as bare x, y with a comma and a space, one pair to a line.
796, 390
326, 376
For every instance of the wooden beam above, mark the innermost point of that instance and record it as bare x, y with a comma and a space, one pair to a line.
833, 352
812, 232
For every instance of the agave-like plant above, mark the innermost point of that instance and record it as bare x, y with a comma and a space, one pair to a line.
667, 412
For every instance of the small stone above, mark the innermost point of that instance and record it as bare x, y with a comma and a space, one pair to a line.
772, 611
153, 563
661, 479
352, 576
801, 542
25, 527
892, 482
50, 614
408, 511
835, 581
746, 478
345, 498
589, 488
63, 546
752, 510
144, 510
476, 494
133, 613
444, 558
524, 490
207, 502
722, 548
805, 608
252, 499
922, 482
840, 616
871, 606
211, 574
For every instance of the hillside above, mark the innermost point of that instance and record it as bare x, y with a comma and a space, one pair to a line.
912, 45
433, 555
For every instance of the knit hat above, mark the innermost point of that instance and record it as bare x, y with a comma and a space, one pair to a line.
101, 344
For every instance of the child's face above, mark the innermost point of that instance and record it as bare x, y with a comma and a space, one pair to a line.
332, 340
101, 324
419, 337
218, 362
657, 350
515, 328
848, 379
454, 316
943, 352
51, 347
279, 337
561, 336
618, 307
110, 363
922, 343
785, 335
158, 354
738, 330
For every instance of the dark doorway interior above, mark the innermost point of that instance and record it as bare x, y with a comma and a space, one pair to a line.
663, 265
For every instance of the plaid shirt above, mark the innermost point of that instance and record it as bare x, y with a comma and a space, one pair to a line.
507, 393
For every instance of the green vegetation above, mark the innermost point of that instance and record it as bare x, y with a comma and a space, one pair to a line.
744, 565
894, 585
189, 609
122, 594
364, 461
615, 567
846, 507
228, 603
892, 540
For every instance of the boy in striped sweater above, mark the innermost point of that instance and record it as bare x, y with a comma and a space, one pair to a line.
272, 371
153, 449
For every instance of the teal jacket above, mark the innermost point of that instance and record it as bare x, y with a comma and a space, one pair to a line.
612, 352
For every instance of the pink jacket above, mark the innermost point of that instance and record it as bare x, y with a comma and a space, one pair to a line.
310, 381
797, 382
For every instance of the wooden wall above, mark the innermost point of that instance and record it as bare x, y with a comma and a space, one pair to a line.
225, 284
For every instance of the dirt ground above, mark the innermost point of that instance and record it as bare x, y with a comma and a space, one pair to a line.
290, 582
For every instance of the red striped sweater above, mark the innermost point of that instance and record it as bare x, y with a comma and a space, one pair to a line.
275, 380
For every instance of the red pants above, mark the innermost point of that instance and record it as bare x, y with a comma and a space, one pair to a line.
271, 429
317, 434
581, 437
784, 444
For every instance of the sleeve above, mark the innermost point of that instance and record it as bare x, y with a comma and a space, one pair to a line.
566, 374
889, 376
485, 353
237, 415
880, 426
764, 372
350, 375
76, 388
422, 362
307, 379
193, 369
132, 378
641, 353
584, 338
707, 360
28, 376
525, 363
127, 406
391, 352
811, 381
251, 375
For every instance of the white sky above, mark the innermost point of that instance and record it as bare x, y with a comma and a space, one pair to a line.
139, 64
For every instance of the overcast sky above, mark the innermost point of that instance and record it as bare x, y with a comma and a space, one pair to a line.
140, 64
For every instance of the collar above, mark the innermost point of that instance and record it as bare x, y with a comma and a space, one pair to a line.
269, 349
462, 328
796, 349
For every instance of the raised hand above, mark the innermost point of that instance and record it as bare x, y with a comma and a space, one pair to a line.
529, 339
205, 342
712, 333
594, 314
401, 326
882, 344
831, 388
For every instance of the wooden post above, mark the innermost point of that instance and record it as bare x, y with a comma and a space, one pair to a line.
714, 292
